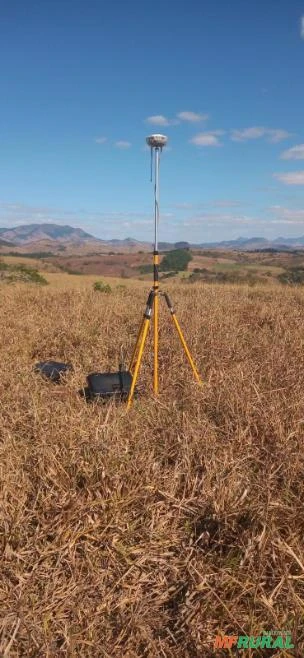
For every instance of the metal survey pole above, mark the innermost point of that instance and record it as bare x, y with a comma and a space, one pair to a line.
156, 143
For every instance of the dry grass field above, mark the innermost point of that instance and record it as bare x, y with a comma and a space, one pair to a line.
148, 533
37, 263
63, 281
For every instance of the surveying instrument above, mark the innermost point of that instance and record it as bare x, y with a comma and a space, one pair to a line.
122, 384
156, 143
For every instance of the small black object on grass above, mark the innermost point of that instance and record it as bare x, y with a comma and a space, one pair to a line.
53, 369
106, 385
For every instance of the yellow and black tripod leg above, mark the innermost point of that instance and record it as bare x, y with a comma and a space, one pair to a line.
133, 357
141, 344
182, 339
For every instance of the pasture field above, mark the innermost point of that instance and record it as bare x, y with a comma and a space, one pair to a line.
64, 281
148, 533
206, 265
264, 267
37, 263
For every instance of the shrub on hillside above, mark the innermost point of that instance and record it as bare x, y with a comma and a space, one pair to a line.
209, 276
20, 273
292, 276
176, 260
100, 286
31, 254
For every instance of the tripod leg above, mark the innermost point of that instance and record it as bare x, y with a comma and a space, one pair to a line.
182, 340
143, 336
133, 358
139, 335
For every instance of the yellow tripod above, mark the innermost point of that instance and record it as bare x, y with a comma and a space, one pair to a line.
156, 143
152, 304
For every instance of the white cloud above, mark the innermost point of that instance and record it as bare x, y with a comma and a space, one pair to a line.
302, 27
295, 153
15, 214
192, 117
220, 219
100, 140
256, 132
276, 136
288, 215
207, 138
160, 120
121, 144
248, 133
291, 178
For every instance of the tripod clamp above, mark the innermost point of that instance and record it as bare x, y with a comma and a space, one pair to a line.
168, 301
150, 302
149, 306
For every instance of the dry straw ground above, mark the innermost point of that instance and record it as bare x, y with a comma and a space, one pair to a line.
146, 534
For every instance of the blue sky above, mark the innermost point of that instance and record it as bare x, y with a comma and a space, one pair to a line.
84, 81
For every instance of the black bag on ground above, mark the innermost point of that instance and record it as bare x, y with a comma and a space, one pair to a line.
53, 369
105, 385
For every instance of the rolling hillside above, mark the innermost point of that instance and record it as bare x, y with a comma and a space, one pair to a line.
20, 235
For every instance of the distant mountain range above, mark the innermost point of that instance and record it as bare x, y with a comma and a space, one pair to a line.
62, 235
28, 233
249, 244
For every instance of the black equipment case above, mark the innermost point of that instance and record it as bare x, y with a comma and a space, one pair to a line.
104, 385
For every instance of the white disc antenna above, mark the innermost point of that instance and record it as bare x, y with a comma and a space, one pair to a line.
157, 141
